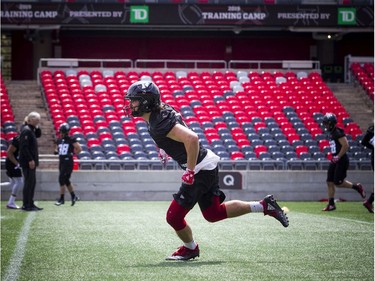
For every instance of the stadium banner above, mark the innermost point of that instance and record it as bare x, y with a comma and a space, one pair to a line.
230, 180
72, 14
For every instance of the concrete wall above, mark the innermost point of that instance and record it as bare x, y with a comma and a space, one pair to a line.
160, 185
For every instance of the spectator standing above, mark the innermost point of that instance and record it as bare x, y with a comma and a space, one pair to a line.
337, 170
29, 159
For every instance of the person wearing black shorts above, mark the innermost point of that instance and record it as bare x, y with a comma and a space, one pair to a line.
13, 171
340, 161
200, 180
66, 146
368, 141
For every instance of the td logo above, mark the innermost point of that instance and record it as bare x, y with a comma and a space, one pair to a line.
347, 16
139, 14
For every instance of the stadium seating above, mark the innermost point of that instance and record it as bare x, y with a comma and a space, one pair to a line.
239, 115
8, 126
364, 74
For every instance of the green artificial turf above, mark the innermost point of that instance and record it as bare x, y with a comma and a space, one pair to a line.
130, 240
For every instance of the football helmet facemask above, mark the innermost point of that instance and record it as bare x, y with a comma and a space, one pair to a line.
329, 121
148, 95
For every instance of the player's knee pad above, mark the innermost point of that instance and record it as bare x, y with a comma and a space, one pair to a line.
176, 216
215, 212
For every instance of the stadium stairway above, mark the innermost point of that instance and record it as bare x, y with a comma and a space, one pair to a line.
356, 103
24, 97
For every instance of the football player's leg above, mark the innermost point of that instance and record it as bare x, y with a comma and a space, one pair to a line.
214, 212
62, 182
213, 209
176, 216
17, 183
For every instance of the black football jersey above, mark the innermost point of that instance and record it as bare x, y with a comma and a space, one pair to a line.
16, 143
160, 124
334, 143
65, 147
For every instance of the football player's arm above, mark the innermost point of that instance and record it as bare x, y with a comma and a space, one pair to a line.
10, 154
56, 151
190, 140
366, 140
77, 148
344, 146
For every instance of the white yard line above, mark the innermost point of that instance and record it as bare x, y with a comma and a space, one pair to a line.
357, 221
14, 266
337, 218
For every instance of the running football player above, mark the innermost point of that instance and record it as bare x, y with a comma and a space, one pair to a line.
200, 180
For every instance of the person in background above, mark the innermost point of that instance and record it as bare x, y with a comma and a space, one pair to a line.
200, 179
13, 171
339, 165
29, 159
368, 141
66, 146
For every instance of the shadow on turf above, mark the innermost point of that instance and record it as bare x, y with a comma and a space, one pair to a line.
194, 263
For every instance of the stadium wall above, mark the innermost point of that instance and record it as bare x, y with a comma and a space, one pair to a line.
160, 185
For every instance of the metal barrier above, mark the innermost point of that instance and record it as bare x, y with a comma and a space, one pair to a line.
276, 64
82, 64
181, 64
173, 64
51, 162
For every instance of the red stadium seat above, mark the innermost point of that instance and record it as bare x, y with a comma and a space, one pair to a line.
300, 149
237, 155
260, 148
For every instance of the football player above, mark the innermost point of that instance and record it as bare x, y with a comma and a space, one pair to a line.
339, 163
66, 146
368, 141
13, 171
200, 180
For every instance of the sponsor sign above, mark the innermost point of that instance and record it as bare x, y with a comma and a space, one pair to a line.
347, 16
139, 14
230, 180
66, 14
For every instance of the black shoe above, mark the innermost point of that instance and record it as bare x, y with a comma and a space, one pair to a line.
30, 209
329, 208
59, 202
74, 200
271, 208
368, 206
37, 208
24, 208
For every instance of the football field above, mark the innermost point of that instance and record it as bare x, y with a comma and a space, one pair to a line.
130, 240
